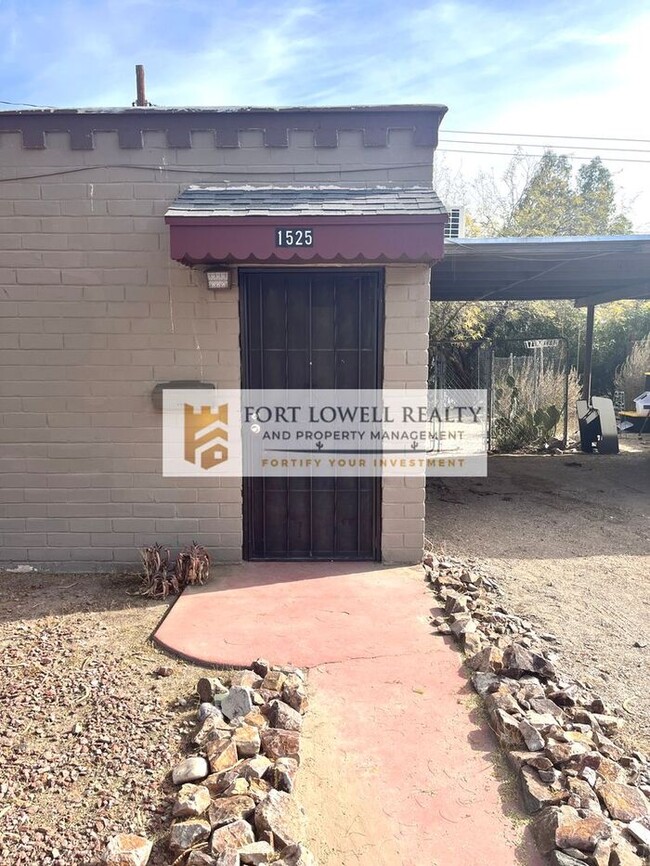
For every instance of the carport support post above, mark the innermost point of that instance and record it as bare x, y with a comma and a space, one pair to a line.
589, 345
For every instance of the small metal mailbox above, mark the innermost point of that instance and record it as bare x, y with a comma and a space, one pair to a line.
185, 384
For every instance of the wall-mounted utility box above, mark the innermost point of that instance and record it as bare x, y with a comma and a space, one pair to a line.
178, 384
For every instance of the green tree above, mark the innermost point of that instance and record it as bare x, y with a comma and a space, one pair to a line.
553, 202
544, 199
595, 202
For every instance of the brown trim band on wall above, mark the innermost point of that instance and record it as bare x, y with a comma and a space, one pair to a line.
343, 239
226, 126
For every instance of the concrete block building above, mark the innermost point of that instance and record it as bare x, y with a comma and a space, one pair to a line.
108, 222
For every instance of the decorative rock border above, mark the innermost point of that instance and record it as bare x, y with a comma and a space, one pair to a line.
589, 795
235, 803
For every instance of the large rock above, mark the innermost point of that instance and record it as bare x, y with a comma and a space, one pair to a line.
239, 787
213, 727
218, 783
208, 688
258, 789
559, 858
518, 661
282, 774
190, 770
247, 678
610, 771
295, 694
536, 794
517, 758
501, 699
546, 706
226, 810
255, 768
228, 858
585, 793
273, 681
277, 743
296, 855
191, 801
238, 702
231, 837
624, 855
255, 718
507, 730
562, 827
261, 667
187, 834
248, 741
640, 831
256, 854
283, 716
488, 660
200, 858
207, 709
280, 814
532, 737
127, 849
222, 755
484, 683
584, 833
623, 802
562, 753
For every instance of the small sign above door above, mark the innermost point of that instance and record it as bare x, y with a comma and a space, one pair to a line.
294, 237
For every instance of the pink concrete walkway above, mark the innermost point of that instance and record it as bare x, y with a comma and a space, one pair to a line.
397, 770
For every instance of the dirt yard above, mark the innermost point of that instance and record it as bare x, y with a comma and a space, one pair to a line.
88, 729
568, 539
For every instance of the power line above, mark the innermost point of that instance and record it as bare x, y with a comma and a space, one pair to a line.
218, 173
554, 146
537, 135
537, 155
27, 104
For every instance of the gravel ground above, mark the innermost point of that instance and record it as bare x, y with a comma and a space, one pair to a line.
88, 730
567, 539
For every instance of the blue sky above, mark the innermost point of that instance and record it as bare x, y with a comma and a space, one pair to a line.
554, 68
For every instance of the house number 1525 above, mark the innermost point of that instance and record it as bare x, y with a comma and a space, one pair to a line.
294, 237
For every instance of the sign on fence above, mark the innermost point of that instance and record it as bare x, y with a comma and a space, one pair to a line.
541, 344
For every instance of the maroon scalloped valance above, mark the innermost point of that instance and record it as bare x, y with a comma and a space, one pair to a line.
345, 238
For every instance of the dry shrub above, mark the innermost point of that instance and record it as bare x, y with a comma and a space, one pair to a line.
630, 376
193, 565
160, 579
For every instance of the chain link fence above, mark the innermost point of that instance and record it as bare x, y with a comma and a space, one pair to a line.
529, 386
530, 394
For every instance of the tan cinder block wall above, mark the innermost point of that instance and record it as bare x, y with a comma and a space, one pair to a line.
406, 343
93, 313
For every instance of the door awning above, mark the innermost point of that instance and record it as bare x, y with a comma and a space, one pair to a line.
306, 224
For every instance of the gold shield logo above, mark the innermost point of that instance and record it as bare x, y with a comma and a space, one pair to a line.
206, 435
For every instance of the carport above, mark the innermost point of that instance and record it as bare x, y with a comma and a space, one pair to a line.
586, 270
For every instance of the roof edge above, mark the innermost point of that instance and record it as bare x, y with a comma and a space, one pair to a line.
544, 240
392, 108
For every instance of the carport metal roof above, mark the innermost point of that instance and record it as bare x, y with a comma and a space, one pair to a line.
589, 270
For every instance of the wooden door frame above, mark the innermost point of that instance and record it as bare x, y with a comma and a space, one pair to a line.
245, 272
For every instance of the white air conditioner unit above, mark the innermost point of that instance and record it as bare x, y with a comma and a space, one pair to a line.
455, 227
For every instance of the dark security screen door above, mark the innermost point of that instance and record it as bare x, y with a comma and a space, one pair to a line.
307, 329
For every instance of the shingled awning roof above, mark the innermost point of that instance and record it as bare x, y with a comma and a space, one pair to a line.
352, 223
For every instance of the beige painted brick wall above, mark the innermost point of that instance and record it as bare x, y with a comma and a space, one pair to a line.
93, 313
406, 342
